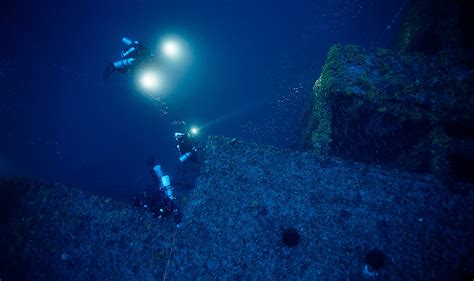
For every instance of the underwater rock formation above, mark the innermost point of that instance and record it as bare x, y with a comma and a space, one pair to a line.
406, 111
53, 232
437, 25
256, 213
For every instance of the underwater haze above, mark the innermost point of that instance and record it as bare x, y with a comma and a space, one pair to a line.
237, 140
61, 121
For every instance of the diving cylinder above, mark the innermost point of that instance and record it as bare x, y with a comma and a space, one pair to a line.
128, 52
124, 63
185, 156
126, 41
158, 171
166, 184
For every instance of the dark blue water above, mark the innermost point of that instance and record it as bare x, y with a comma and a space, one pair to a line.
251, 68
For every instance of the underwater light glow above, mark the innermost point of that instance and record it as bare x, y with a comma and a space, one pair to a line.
172, 48
150, 80
194, 130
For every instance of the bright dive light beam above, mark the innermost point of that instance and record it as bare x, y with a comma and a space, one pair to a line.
194, 130
150, 80
172, 48
230, 114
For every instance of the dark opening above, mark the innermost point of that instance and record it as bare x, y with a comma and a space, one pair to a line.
376, 259
460, 130
13, 266
465, 275
466, 24
11, 193
290, 237
428, 42
461, 167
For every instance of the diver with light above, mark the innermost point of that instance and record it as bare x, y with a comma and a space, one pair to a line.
162, 202
187, 145
134, 54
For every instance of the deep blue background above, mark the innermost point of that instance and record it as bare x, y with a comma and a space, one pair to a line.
254, 61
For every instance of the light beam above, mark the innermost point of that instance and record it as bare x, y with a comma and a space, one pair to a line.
172, 48
151, 80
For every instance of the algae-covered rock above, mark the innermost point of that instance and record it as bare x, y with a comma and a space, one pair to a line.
408, 111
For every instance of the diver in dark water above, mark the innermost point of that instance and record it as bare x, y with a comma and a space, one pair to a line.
186, 146
135, 53
163, 203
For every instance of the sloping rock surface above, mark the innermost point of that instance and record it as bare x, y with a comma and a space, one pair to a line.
53, 232
248, 195
255, 213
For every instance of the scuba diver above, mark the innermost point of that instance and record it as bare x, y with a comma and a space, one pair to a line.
163, 203
133, 54
186, 147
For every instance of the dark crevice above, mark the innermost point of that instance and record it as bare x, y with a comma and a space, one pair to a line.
376, 259
461, 167
290, 237
463, 130
466, 24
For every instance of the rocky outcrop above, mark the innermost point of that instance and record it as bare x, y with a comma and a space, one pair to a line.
405, 111
411, 109
53, 232
255, 213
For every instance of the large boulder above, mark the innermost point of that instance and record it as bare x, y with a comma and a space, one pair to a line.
255, 213
406, 111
